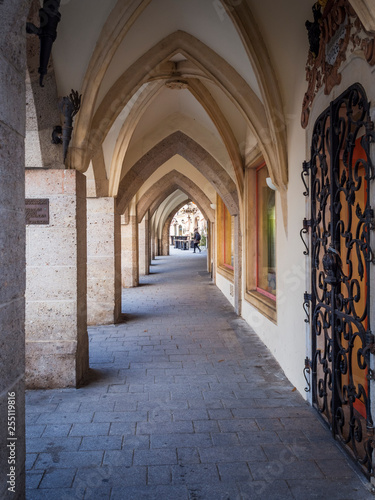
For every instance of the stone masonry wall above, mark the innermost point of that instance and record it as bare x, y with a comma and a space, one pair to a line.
12, 243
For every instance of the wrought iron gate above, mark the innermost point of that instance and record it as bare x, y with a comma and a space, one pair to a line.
340, 172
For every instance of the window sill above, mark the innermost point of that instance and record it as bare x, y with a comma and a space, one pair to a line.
264, 304
226, 272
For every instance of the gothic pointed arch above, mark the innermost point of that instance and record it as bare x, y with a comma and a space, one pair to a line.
178, 144
165, 186
166, 225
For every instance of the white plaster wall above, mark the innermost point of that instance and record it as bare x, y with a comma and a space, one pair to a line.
289, 339
226, 287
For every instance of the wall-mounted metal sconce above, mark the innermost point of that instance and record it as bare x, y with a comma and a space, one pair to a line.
69, 106
49, 16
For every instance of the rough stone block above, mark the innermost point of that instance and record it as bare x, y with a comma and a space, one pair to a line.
12, 343
59, 320
101, 206
11, 84
12, 255
12, 32
33, 153
50, 364
100, 313
42, 182
50, 246
51, 283
12, 173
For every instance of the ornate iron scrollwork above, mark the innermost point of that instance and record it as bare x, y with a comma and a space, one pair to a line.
305, 230
306, 306
307, 372
341, 220
332, 266
305, 173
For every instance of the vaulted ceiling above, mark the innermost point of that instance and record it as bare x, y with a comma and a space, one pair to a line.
221, 74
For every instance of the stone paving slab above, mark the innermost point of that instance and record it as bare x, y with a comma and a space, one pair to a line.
184, 403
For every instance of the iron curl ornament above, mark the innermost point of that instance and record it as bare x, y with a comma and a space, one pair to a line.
69, 107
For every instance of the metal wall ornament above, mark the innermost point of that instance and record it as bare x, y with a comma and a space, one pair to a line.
49, 17
339, 304
341, 32
69, 107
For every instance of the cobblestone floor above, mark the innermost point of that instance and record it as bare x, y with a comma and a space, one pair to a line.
184, 403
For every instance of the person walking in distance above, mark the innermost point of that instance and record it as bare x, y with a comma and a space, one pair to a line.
197, 239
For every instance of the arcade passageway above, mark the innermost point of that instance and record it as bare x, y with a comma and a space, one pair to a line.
184, 402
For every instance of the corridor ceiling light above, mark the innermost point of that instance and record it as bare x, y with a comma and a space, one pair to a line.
213, 206
50, 17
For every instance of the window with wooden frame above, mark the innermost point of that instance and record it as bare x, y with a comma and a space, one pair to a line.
225, 235
266, 235
261, 242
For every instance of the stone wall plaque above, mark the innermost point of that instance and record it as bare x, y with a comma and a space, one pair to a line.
37, 210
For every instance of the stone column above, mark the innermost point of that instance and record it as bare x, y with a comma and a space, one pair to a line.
144, 246
103, 262
152, 239
129, 250
152, 245
56, 308
12, 240
165, 239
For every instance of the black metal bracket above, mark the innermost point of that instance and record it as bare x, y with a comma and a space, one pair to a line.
305, 229
49, 17
306, 372
307, 297
306, 165
69, 106
57, 135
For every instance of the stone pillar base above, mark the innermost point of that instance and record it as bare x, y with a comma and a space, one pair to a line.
144, 246
129, 253
103, 262
56, 330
